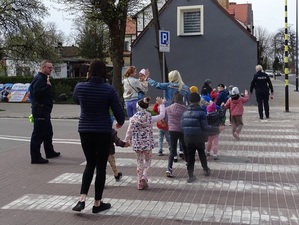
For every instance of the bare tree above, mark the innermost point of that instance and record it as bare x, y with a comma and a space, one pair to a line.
113, 14
17, 14
264, 47
33, 44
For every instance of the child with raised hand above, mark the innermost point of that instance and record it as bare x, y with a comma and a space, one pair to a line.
140, 135
235, 104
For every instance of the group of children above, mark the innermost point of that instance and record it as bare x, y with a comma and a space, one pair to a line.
193, 125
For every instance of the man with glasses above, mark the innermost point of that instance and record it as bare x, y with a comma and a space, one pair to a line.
41, 97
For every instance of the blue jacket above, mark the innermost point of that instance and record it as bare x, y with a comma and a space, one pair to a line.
95, 98
223, 96
195, 126
170, 89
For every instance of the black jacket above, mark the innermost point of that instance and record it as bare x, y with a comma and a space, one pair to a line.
261, 83
195, 126
41, 93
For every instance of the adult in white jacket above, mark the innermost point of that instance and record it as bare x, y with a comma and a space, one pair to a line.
132, 86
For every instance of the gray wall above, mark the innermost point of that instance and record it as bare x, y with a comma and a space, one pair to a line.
226, 53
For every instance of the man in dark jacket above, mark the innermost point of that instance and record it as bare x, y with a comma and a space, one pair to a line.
196, 130
262, 84
41, 97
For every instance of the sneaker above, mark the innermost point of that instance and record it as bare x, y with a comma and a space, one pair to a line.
191, 179
175, 159
216, 157
102, 207
118, 177
169, 173
160, 153
181, 155
144, 183
236, 135
207, 172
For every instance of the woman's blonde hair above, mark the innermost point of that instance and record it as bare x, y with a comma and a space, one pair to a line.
129, 71
175, 77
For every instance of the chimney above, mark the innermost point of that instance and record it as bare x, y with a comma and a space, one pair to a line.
224, 3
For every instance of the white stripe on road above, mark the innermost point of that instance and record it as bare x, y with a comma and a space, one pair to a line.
201, 182
235, 165
231, 214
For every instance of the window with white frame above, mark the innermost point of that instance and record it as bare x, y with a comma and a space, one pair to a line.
190, 20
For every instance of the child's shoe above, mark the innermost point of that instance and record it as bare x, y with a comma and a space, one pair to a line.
144, 183
216, 157
236, 135
208, 153
191, 179
181, 155
160, 153
175, 159
169, 172
118, 177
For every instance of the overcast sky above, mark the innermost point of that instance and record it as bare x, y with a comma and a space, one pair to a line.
268, 14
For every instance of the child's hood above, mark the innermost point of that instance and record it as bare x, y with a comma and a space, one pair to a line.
140, 118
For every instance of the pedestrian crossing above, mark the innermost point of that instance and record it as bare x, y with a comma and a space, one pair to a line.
252, 178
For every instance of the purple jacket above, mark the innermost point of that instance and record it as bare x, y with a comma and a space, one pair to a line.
174, 114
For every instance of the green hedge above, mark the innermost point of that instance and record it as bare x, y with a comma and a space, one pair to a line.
60, 86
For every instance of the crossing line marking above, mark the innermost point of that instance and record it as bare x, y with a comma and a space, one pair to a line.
159, 209
202, 183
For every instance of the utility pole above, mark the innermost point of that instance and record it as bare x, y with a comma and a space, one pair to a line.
286, 59
296, 45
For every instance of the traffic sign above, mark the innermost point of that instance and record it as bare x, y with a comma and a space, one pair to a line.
164, 41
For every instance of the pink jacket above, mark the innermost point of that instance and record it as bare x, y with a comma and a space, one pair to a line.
236, 106
174, 114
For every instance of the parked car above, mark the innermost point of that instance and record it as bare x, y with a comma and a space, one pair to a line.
278, 73
270, 73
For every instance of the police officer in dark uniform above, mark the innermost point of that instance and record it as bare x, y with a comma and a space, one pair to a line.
41, 97
262, 84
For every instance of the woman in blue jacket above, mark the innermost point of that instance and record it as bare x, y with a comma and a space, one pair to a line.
175, 84
96, 98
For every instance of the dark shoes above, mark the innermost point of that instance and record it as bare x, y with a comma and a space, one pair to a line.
80, 206
53, 155
40, 161
207, 172
160, 153
118, 177
103, 206
191, 179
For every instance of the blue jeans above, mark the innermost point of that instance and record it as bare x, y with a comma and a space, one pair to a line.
131, 107
162, 134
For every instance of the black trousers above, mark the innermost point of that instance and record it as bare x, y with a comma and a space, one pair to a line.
262, 99
42, 133
174, 136
191, 150
96, 148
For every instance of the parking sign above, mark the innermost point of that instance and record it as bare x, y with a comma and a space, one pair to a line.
164, 41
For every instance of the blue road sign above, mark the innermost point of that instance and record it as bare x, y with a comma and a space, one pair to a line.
164, 41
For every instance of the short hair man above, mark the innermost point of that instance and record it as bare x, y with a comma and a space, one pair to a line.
41, 97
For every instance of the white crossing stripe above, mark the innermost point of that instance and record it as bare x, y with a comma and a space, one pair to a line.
232, 214
201, 182
217, 165
232, 153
